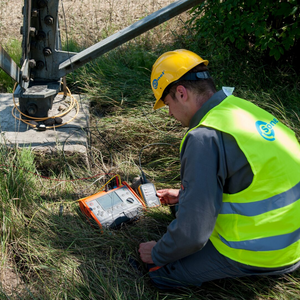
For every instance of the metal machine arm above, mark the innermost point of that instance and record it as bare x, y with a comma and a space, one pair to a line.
43, 63
125, 35
8, 65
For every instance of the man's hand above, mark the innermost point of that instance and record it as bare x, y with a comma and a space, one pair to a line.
168, 196
145, 251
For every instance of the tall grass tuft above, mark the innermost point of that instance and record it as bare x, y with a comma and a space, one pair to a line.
16, 176
118, 78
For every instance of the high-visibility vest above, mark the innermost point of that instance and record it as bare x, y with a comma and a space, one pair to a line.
259, 226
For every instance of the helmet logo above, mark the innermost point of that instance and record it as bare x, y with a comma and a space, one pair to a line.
266, 129
155, 81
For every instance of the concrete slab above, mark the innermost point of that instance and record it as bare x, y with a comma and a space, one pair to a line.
70, 137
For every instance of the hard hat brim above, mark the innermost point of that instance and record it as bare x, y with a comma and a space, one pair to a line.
158, 104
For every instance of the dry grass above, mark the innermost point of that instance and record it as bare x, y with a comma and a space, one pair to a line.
90, 21
87, 21
11, 20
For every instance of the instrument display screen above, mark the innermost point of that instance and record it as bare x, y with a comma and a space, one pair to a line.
109, 200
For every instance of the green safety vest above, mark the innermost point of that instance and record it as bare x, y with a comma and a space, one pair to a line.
259, 226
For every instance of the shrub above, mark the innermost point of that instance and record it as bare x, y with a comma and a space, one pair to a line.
268, 26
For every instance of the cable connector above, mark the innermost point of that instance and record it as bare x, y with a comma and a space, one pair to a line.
143, 178
41, 127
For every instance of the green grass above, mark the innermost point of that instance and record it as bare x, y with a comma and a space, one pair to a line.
52, 250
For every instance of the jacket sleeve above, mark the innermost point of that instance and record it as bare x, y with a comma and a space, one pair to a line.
203, 173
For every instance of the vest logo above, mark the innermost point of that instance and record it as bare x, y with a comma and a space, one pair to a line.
266, 129
155, 81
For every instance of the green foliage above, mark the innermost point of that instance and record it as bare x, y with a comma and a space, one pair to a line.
266, 25
71, 46
120, 77
254, 79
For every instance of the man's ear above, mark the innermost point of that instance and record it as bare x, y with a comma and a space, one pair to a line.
181, 93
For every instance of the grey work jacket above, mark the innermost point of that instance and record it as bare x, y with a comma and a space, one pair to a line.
211, 164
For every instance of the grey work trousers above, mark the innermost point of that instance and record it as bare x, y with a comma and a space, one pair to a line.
206, 265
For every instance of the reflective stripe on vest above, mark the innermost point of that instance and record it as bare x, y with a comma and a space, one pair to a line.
277, 242
263, 206
259, 226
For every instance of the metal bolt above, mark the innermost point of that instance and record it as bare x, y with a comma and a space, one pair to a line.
34, 13
32, 63
40, 64
49, 20
32, 31
31, 108
41, 35
25, 78
47, 51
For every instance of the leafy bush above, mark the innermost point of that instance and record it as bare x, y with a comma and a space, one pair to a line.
267, 25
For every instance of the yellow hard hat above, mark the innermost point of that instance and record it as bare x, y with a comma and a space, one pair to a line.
169, 67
